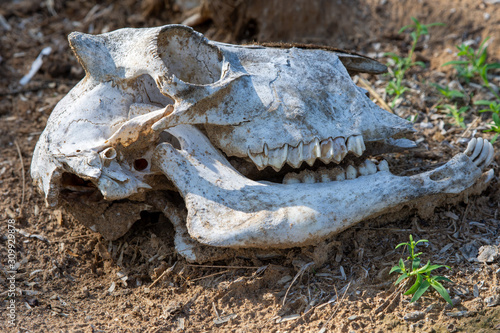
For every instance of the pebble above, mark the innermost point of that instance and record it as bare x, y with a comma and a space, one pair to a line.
492, 300
457, 314
469, 251
487, 253
416, 315
426, 125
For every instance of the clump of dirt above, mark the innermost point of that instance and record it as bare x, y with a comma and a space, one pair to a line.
69, 278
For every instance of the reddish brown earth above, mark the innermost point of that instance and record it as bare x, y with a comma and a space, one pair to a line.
70, 279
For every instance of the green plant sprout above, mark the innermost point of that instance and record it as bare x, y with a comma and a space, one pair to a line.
447, 92
420, 275
494, 108
456, 113
403, 64
475, 64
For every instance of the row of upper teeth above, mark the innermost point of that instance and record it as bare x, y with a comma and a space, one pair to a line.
329, 150
338, 173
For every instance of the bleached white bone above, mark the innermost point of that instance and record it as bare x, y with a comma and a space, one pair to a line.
208, 100
227, 209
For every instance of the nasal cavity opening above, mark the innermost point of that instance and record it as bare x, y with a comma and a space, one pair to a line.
188, 56
140, 164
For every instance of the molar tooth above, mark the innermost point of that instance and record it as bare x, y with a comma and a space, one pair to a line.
339, 149
356, 145
277, 157
326, 150
383, 166
291, 178
294, 156
337, 173
350, 172
363, 170
311, 152
257, 160
370, 167
324, 177
308, 178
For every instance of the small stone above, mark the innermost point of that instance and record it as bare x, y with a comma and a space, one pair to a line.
457, 314
487, 253
454, 302
469, 251
351, 318
413, 316
492, 300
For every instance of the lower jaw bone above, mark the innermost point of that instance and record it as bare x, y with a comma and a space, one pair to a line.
228, 210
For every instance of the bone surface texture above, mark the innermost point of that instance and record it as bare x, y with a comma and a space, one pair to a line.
241, 146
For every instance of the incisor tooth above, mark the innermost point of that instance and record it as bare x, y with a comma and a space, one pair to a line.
350, 172
277, 157
356, 145
478, 148
470, 146
339, 149
294, 157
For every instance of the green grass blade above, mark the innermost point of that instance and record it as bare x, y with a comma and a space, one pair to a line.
482, 102
396, 269
415, 286
415, 264
455, 62
401, 244
441, 278
401, 278
441, 290
430, 268
420, 291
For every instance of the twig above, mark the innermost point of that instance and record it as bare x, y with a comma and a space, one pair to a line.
167, 271
372, 91
469, 127
207, 276
227, 267
299, 273
22, 170
323, 329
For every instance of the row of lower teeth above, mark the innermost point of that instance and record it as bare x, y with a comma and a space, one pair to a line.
324, 175
329, 150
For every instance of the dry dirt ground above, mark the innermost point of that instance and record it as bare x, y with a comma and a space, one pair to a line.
70, 279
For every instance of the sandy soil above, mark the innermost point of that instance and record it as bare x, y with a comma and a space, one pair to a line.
69, 279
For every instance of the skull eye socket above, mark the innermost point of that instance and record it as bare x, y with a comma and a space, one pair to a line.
140, 164
188, 56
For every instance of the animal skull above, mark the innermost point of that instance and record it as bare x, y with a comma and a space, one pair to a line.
164, 111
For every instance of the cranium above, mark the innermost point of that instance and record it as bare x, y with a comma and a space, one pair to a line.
266, 146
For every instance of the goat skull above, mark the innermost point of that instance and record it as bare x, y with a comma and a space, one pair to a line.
164, 109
